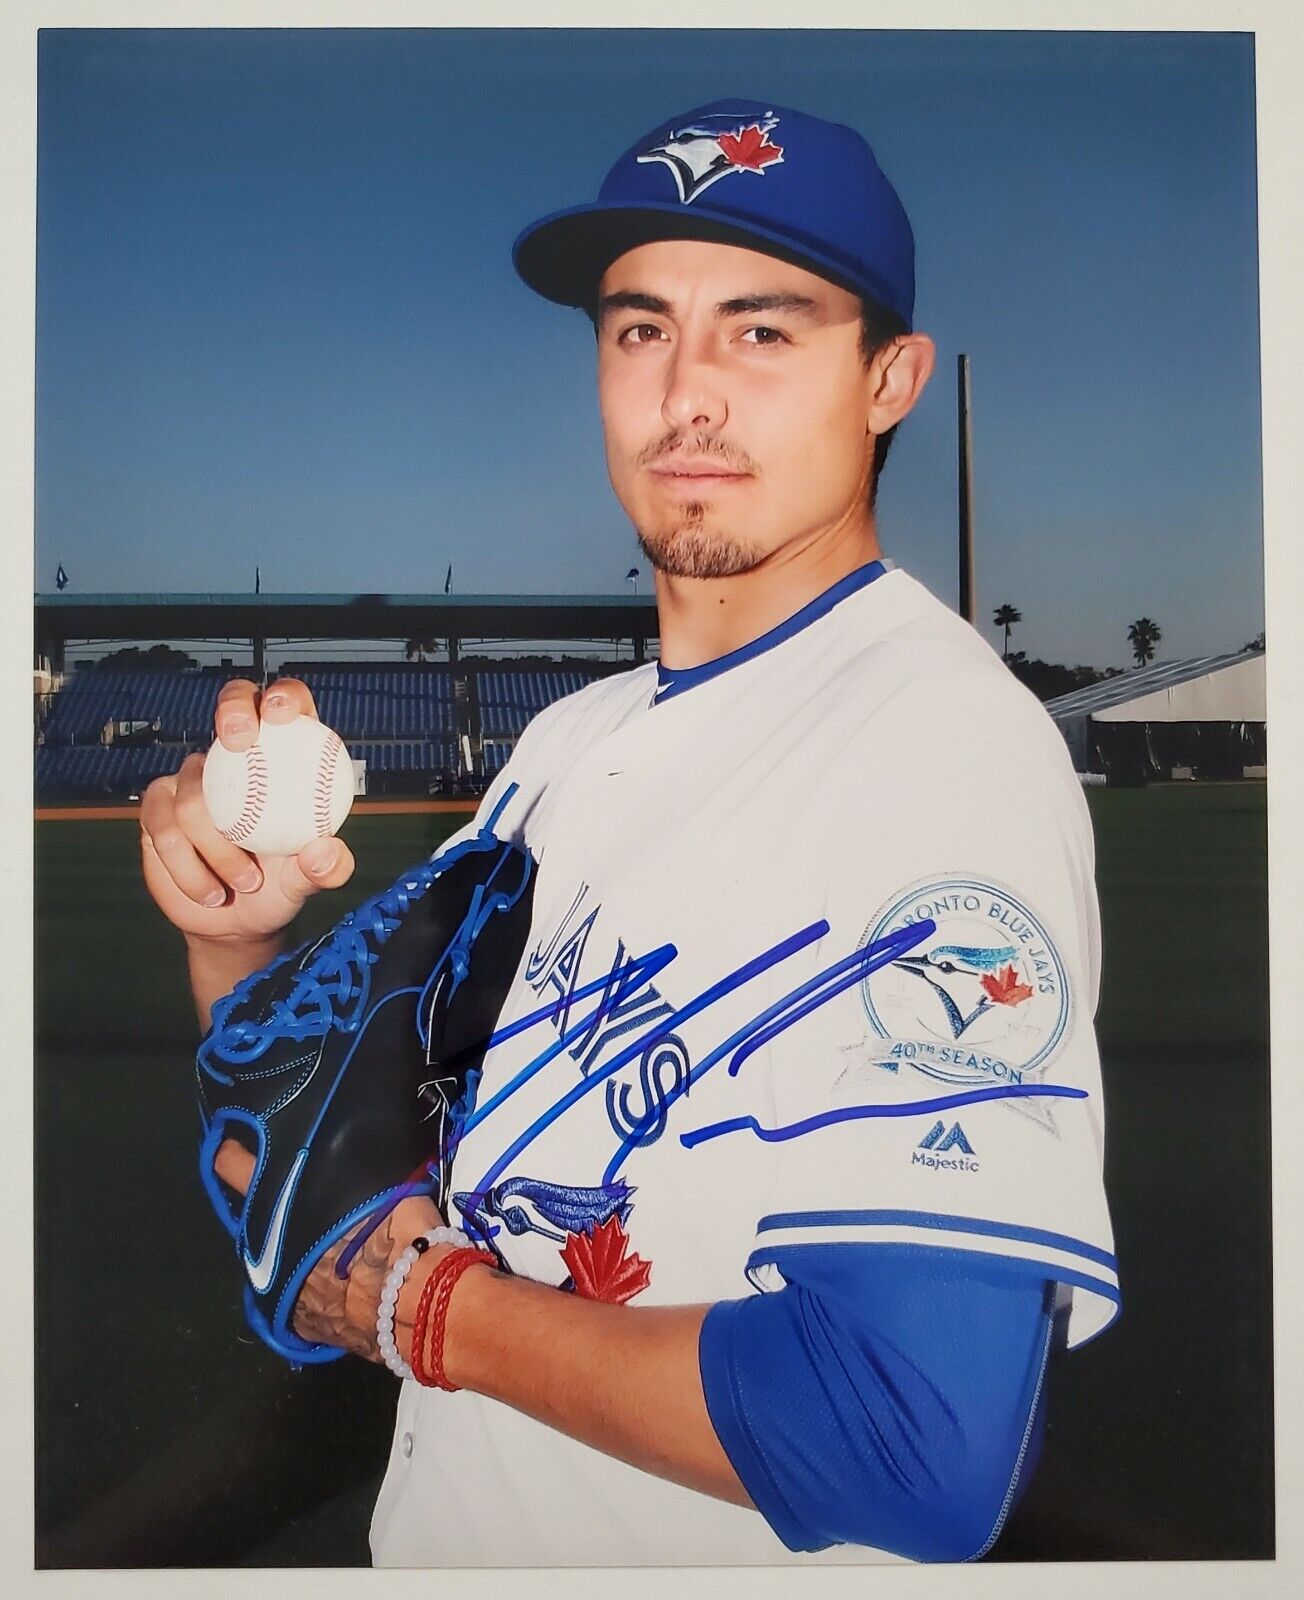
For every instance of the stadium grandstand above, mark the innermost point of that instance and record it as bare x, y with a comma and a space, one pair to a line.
418, 728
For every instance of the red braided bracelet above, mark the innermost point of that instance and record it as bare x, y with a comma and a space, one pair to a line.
445, 1275
415, 1355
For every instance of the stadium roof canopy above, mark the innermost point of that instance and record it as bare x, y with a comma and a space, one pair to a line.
344, 616
269, 602
1225, 688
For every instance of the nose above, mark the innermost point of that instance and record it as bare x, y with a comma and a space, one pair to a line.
694, 396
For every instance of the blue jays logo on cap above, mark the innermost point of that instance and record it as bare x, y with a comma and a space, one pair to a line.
801, 188
702, 152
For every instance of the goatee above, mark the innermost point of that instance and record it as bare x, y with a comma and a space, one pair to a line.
689, 549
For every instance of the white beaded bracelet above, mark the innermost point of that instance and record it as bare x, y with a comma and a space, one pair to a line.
394, 1282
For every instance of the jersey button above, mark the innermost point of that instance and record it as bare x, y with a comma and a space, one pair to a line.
406, 1444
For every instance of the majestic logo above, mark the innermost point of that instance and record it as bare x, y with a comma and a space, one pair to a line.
984, 1000
702, 153
937, 1142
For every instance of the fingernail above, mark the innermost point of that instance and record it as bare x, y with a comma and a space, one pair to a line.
276, 701
320, 856
215, 897
247, 882
238, 725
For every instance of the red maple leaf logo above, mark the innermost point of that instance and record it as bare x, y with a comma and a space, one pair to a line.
600, 1267
1006, 989
750, 148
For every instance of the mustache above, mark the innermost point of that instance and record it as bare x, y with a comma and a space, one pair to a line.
728, 455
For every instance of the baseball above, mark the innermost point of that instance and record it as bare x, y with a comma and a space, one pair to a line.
293, 785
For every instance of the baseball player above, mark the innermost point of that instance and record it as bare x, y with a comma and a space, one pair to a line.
781, 1179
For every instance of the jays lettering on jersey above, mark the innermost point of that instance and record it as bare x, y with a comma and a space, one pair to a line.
812, 968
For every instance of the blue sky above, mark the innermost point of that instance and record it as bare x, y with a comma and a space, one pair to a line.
277, 322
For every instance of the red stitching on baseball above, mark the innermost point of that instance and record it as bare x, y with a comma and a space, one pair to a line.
330, 759
255, 795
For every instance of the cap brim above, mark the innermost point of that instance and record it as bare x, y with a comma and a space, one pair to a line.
563, 256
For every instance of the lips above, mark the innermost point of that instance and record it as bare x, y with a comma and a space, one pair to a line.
691, 470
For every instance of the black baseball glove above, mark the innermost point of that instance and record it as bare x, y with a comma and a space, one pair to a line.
346, 1066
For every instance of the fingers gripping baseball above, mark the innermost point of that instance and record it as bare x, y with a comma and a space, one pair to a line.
204, 882
240, 709
324, 864
291, 785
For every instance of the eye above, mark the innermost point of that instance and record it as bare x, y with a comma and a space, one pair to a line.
638, 328
776, 336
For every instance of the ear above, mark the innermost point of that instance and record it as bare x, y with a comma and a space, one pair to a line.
896, 379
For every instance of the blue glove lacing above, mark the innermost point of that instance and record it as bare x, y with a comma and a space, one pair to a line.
333, 989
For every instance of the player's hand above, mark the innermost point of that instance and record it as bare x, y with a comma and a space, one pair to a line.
331, 1309
204, 884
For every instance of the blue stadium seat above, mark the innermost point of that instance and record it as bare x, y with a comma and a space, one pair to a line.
183, 702
384, 703
398, 718
509, 699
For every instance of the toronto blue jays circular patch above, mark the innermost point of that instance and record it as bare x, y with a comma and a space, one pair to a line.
981, 1000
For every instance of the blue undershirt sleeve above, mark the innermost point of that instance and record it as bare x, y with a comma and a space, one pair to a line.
885, 1397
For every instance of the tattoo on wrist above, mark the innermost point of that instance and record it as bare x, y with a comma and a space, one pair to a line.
342, 1311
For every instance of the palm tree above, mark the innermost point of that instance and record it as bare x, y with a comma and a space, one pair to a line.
1006, 616
1143, 636
417, 649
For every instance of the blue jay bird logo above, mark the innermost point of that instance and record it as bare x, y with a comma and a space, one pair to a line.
957, 973
701, 153
532, 1205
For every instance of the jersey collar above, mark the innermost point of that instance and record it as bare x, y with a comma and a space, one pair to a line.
675, 680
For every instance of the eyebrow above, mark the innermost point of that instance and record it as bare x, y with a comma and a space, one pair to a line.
799, 305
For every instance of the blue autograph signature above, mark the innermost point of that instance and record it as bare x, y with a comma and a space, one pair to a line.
910, 1108
626, 976
641, 1042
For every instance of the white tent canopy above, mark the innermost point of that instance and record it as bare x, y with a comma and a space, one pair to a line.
1236, 693
1208, 713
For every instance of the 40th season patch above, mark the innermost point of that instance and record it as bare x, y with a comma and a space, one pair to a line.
982, 1001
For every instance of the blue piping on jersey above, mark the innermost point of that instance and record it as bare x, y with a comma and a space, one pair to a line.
936, 1219
675, 680
1014, 1266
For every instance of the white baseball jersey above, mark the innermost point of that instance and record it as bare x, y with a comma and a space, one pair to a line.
815, 953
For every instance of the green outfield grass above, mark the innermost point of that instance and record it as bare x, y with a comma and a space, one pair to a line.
1159, 1434
167, 1436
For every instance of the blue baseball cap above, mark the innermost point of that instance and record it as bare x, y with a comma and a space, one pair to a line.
741, 172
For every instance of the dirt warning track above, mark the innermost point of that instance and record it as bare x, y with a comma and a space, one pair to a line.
366, 808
